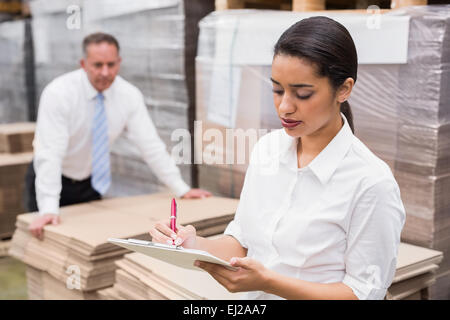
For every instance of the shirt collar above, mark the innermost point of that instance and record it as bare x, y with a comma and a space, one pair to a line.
327, 161
91, 92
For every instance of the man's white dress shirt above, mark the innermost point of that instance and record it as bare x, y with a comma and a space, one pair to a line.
338, 219
63, 138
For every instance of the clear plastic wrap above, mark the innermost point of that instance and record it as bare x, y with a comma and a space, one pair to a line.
152, 46
13, 102
401, 109
57, 47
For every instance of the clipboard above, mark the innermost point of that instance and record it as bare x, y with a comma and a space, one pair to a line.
175, 255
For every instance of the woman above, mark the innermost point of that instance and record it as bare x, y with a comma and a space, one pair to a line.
320, 215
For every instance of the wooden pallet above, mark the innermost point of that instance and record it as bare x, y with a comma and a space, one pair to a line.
15, 7
311, 5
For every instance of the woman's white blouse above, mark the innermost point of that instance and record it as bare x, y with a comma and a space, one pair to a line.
338, 219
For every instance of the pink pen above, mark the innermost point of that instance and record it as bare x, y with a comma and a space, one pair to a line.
173, 217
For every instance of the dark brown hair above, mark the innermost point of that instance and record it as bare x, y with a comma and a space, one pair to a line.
328, 45
99, 37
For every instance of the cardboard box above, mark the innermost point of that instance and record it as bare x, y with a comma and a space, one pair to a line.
80, 241
17, 137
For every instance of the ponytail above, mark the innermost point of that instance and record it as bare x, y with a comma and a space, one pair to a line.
347, 111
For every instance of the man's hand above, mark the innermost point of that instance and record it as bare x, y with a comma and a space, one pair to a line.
37, 226
196, 193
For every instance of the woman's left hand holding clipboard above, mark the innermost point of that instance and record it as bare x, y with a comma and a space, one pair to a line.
251, 276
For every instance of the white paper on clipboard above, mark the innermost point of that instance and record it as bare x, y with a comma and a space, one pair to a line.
178, 256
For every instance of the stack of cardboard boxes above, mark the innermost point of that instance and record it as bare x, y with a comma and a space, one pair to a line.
13, 91
15, 156
416, 272
140, 277
74, 259
402, 112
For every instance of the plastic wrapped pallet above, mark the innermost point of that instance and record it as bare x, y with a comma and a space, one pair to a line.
422, 163
400, 103
12, 173
154, 46
234, 67
13, 103
151, 35
57, 38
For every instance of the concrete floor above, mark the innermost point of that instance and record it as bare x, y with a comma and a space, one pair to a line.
13, 284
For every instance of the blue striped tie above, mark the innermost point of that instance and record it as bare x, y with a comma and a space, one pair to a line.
101, 174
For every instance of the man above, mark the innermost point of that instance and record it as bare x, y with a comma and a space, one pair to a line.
80, 115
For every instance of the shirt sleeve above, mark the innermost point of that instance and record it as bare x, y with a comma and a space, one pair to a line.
373, 239
141, 130
50, 146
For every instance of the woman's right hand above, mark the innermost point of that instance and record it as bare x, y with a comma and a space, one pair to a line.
185, 236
